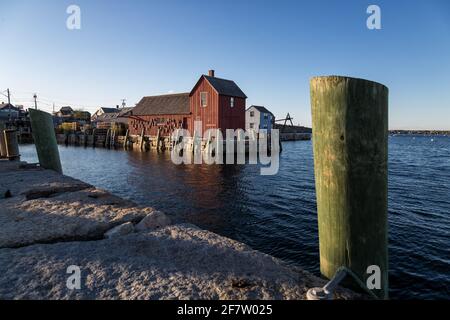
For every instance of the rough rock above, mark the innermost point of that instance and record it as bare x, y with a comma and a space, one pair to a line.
47, 207
154, 220
119, 231
176, 262
20, 180
52, 222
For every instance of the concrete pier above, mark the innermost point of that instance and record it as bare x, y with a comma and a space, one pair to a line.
49, 222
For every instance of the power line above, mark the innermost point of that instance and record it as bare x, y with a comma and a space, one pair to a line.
58, 101
45, 100
68, 103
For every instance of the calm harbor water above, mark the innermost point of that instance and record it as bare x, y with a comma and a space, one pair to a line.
277, 214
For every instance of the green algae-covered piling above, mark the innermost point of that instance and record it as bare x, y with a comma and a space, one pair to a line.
141, 141
350, 136
2, 141
45, 140
125, 141
11, 144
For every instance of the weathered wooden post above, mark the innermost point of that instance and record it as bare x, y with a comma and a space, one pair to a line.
105, 143
112, 143
85, 137
158, 140
93, 137
45, 140
194, 142
2, 141
125, 142
141, 143
11, 144
350, 136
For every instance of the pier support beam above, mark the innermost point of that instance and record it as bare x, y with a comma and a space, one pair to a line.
158, 140
2, 141
94, 131
141, 141
106, 142
350, 136
112, 143
45, 140
11, 144
125, 141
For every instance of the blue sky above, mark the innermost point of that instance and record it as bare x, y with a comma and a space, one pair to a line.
129, 49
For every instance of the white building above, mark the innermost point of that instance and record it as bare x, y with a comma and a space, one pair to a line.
258, 117
103, 111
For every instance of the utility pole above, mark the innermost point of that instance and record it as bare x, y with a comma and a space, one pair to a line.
35, 101
124, 103
9, 103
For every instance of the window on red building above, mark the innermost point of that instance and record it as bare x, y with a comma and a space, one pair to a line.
203, 99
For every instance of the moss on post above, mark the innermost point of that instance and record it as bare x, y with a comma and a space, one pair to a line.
45, 140
350, 137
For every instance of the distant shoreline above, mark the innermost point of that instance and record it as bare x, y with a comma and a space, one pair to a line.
421, 132
301, 129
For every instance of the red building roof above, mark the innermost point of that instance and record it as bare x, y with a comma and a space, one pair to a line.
164, 104
222, 86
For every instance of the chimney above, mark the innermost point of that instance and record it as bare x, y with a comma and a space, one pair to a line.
211, 73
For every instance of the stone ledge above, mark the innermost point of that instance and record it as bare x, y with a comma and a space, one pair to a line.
176, 262
41, 237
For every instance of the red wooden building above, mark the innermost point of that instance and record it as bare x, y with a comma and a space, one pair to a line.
217, 103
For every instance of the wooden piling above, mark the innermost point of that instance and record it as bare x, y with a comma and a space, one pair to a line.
11, 144
194, 143
158, 140
141, 143
350, 136
112, 143
208, 144
2, 141
105, 143
45, 140
125, 142
93, 137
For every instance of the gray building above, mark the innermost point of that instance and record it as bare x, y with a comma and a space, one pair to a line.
258, 117
8, 112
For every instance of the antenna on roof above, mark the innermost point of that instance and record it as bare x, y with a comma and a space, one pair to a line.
124, 104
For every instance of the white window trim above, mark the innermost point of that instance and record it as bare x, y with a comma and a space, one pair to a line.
232, 102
